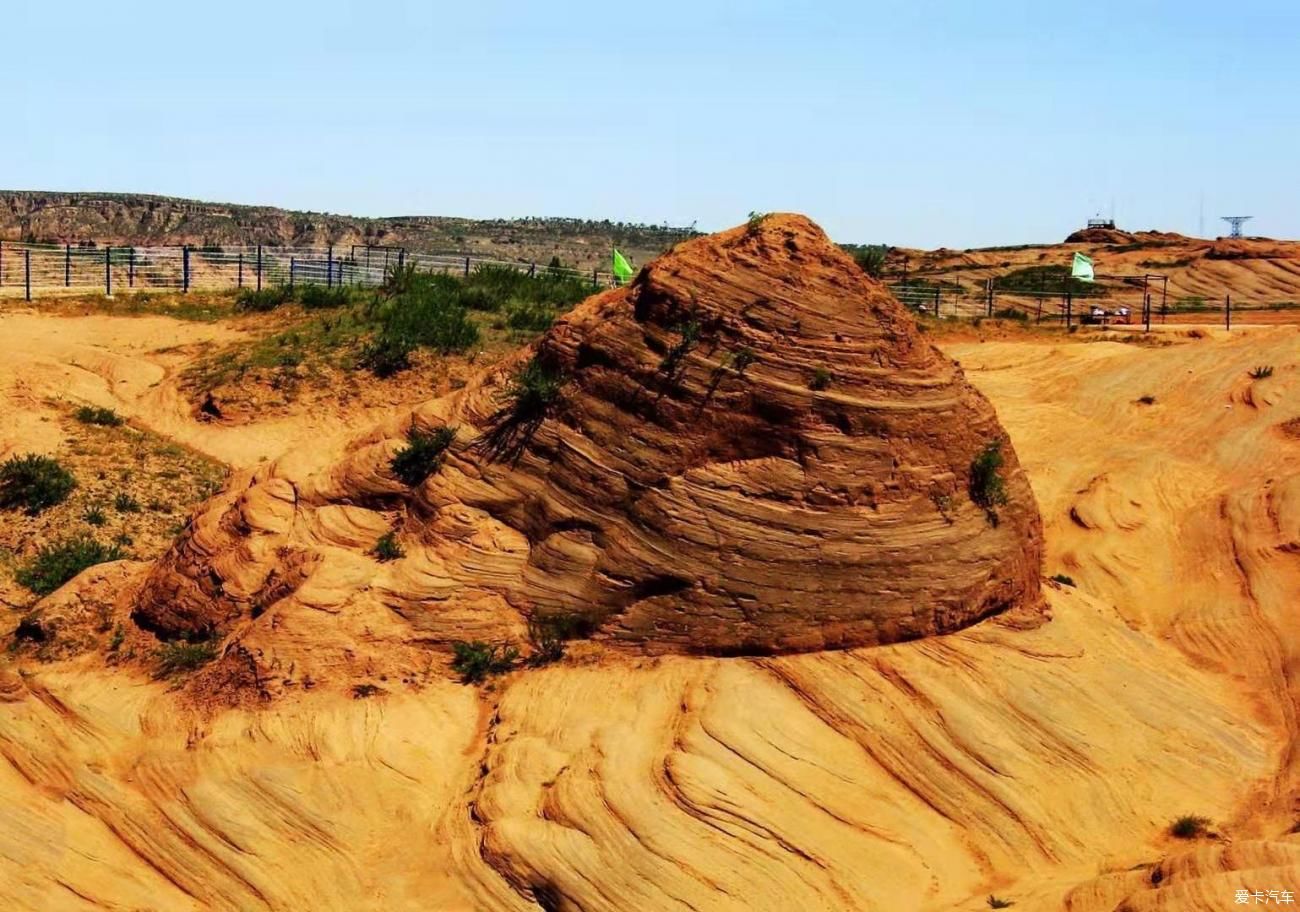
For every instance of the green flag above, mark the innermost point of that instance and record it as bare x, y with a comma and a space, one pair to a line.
622, 269
1082, 268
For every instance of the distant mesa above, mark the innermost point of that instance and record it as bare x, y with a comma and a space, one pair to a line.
752, 450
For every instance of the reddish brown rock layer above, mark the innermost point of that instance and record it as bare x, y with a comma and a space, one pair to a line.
754, 451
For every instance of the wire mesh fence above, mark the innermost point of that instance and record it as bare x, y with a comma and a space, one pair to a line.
30, 270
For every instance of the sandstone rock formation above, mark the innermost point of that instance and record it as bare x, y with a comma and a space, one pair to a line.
753, 450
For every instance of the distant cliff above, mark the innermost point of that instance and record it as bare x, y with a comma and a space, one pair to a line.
140, 219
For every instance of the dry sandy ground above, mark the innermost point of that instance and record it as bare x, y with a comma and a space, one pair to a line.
1042, 764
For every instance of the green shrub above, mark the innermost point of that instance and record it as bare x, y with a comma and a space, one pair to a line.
755, 221
125, 503
742, 358
548, 634
94, 515
871, 259
429, 314
476, 660
1189, 827
532, 316
1262, 372
1063, 580
387, 548
267, 299
34, 483
105, 417
422, 455
386, 355
321, 297
56, 563
821, 379
533, 390
1054, 279
689, 330
987, 487
180, 657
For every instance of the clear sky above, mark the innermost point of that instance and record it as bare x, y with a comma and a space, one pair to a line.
916, 123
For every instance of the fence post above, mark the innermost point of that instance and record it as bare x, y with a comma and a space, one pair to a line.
27, 273
1227, 312
130, 267
1040, 309
329, 266
241, 269
467, 267
185, 268
1146, 312
2, 264
401, 258
595, 279
67, 265
292, 263
1069, 310
936, 302
990, 308
532, 271
259, 267
108, 271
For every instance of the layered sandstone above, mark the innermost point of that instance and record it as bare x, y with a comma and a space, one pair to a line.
754, 450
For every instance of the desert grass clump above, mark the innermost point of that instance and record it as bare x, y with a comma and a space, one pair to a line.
386, 355
547, 635
475, 661
742, 358
56, 563
387, 548
987, 487
533, 390
263, 300
125, 503
34, 483
689, 331
323, 297
182, 657
871, 259
821, 379
1262, 372
104, 417
422, 455
529, 316
94, 515
1010, 313
1190, 826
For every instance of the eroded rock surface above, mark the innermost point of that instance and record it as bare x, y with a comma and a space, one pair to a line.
754, 450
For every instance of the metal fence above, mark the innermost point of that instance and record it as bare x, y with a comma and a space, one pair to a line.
37, 269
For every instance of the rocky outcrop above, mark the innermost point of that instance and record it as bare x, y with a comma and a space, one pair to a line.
752, 450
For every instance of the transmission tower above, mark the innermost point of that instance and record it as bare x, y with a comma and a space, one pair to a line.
1236, 221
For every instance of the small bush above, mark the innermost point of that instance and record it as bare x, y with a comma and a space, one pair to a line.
1010, 313
821, 379
533, 390
532, 316
125, 503
871, 259
321, 297
689, 330
987, 487
422, 455
1262, 372
94, 516
996, 903
1189, 827
179, 657
755, 221
387, 355
548, 634
56, 563
34, 483
1063, 580
263, 301
387, 548
105, 417
742, 358
475, 661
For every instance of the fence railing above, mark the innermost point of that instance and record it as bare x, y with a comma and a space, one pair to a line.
31, 269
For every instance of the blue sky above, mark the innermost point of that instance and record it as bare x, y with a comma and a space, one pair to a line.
919, 123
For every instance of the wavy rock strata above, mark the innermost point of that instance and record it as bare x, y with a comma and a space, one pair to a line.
753, 450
